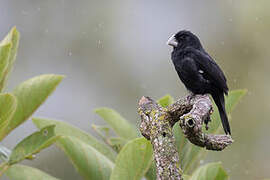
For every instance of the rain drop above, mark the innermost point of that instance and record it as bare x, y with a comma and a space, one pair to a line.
99, 44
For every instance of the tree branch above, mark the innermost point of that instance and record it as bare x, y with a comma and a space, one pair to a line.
156, 126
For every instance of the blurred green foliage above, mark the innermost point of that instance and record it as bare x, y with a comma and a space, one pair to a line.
92, 158
134, 154
19, 105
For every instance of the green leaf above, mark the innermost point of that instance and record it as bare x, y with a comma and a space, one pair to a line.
13, 39
33, 144
3, 167
30, 95
210, 171
117, 143
186, 177
166, 100
4, 57
151, 174
66, 129
8, 104
133, 160
179, 137
120, 125
102, 131
21, 172
192, 154
90, 163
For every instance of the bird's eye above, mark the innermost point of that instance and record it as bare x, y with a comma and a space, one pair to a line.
185, 37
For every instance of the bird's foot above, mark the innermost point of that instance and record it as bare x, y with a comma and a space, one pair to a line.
190, 96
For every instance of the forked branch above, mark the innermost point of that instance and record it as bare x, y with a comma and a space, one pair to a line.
157, 123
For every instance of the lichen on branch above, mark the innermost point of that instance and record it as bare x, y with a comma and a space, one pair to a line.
157, 122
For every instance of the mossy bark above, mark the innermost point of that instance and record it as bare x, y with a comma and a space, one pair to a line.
157, 123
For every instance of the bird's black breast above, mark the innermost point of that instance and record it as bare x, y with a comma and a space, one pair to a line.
189, 71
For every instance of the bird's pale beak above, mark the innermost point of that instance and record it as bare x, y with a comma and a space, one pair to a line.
172, 41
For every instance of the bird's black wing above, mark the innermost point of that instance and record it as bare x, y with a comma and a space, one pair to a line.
190, 75
201, 75
210, 70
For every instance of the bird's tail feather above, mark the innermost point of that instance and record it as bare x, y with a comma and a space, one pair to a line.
220, 102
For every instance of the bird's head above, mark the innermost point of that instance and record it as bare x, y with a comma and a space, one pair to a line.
184, 39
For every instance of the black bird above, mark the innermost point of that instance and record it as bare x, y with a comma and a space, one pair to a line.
198, 71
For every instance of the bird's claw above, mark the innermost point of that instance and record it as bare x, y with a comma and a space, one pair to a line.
190, 96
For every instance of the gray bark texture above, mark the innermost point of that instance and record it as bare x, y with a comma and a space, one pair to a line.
157, 122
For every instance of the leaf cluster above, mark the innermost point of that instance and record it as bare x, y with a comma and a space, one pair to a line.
125, 155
